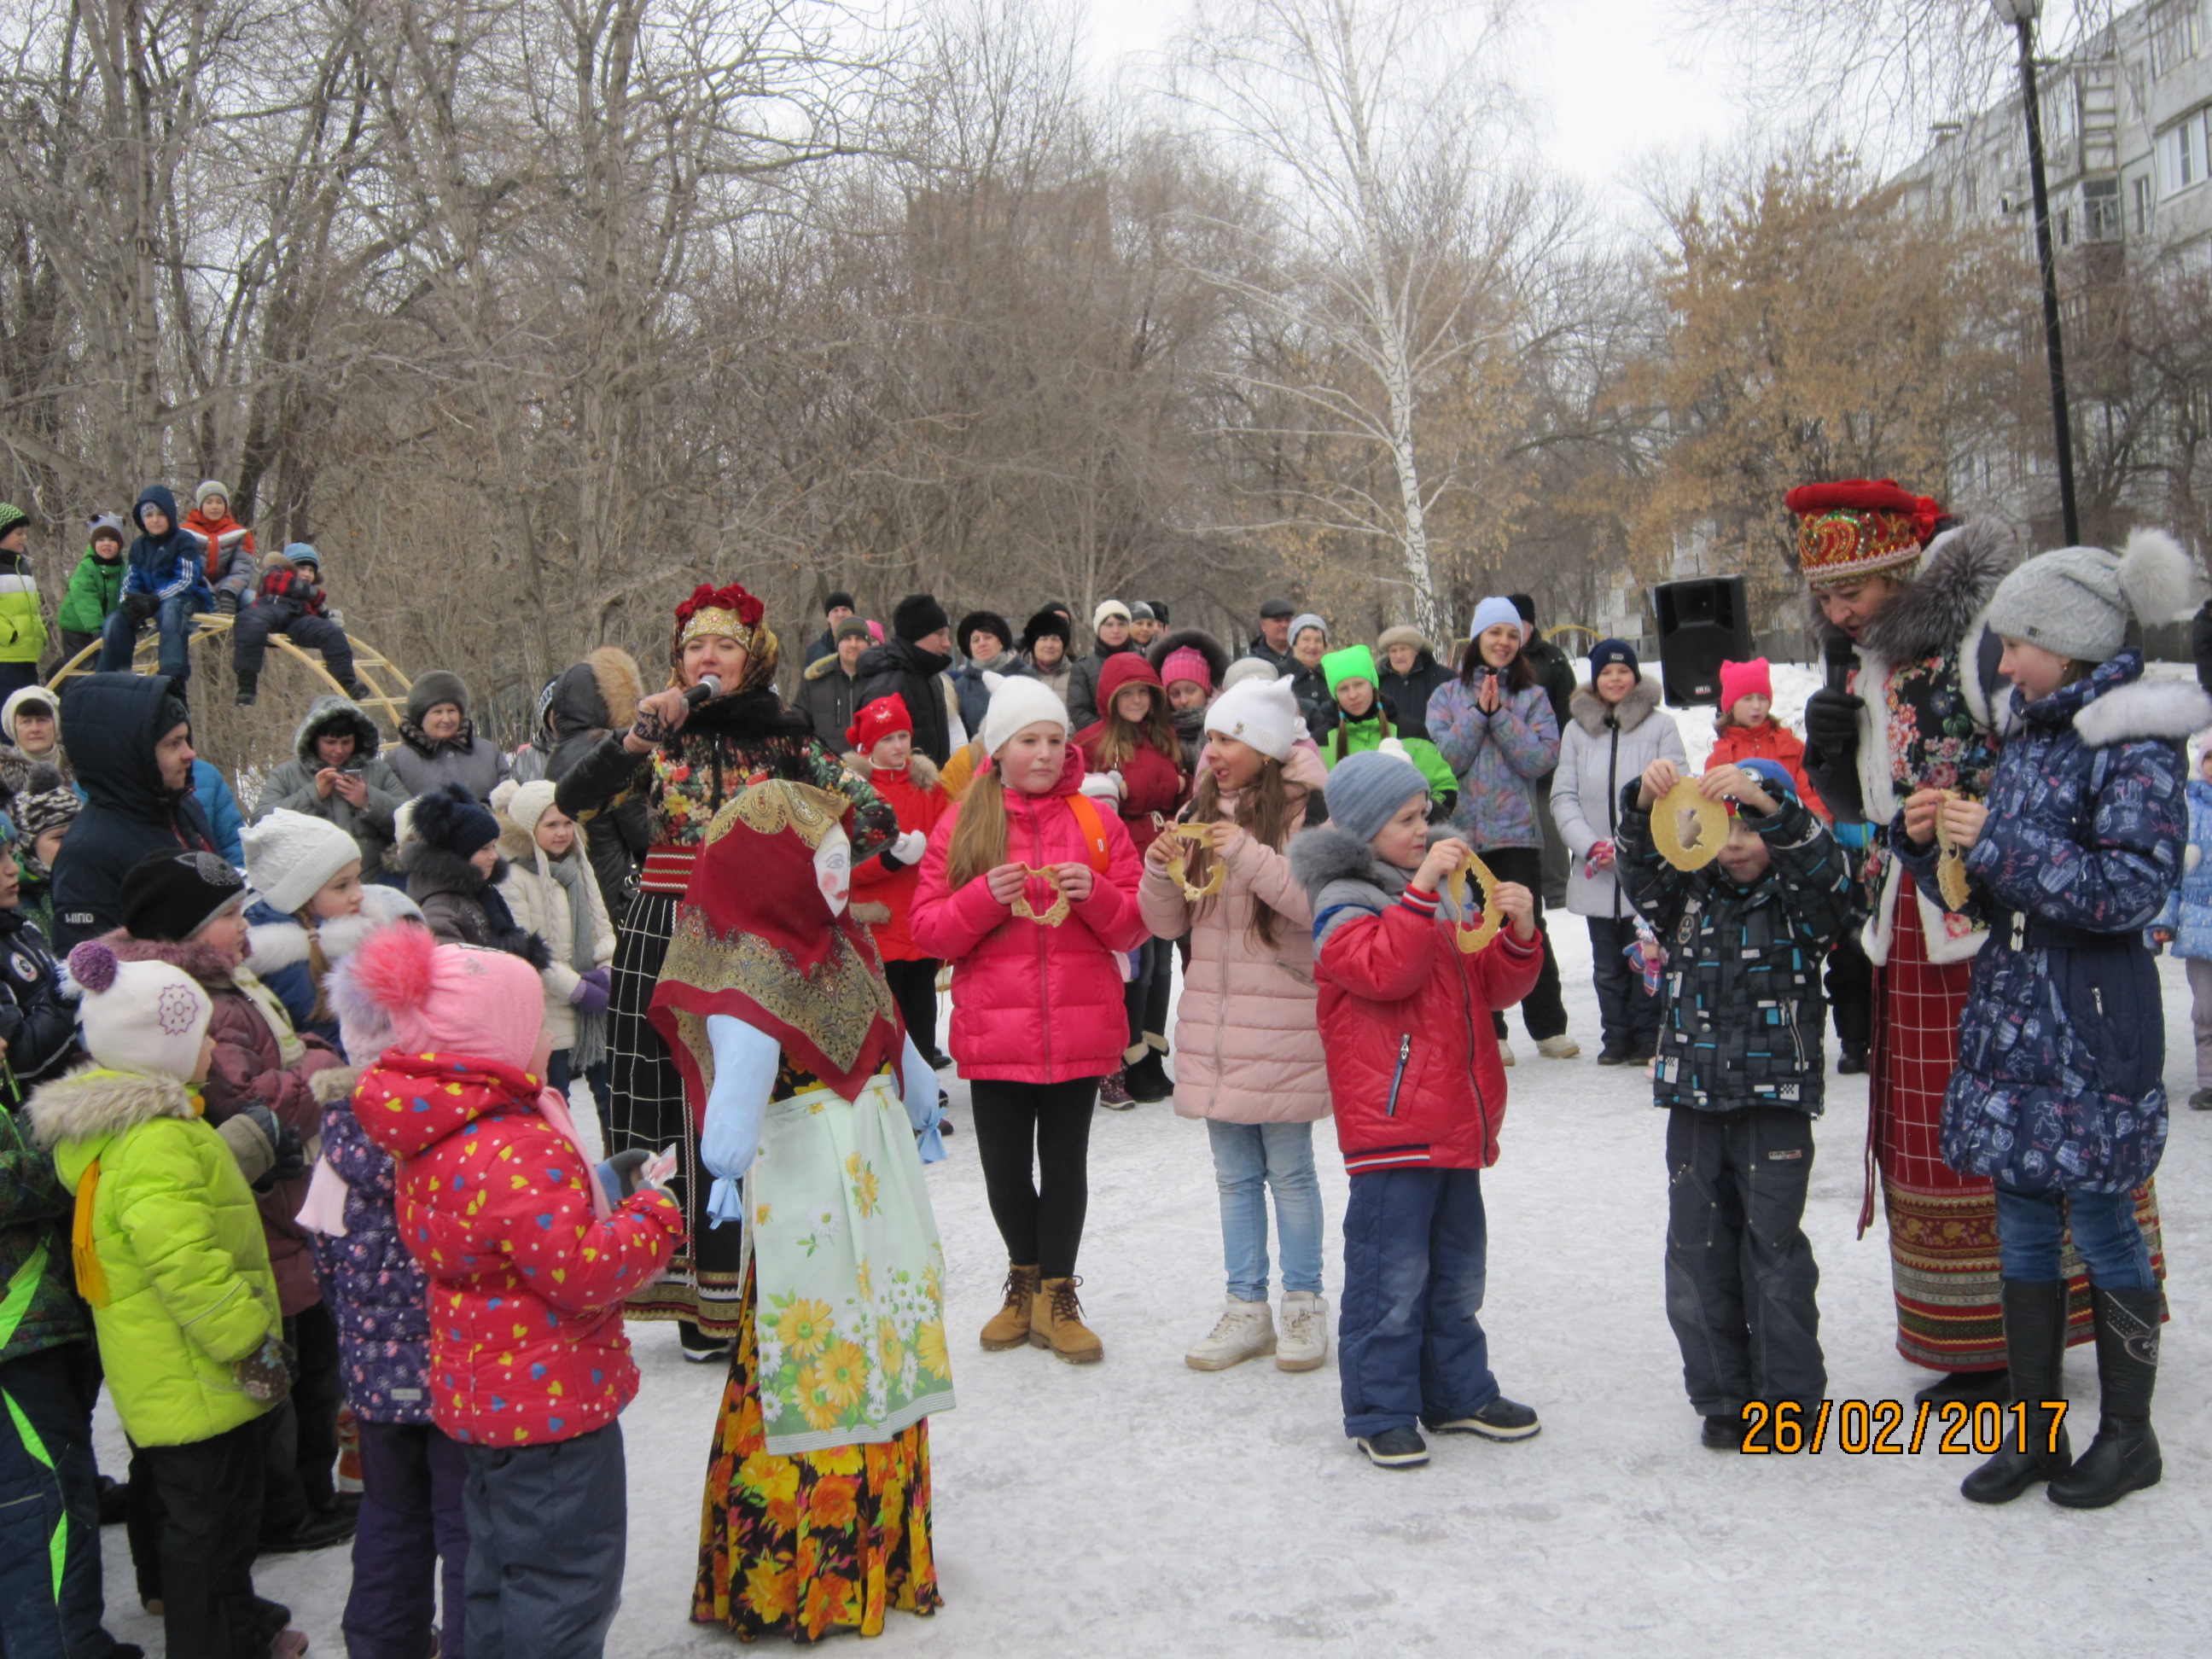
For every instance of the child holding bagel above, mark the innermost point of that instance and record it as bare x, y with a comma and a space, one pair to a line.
1747, 914
1029, 890
1419, 1092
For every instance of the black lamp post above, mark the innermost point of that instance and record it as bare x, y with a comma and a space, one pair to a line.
2021, 15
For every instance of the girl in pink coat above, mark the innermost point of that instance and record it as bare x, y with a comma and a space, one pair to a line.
1249, 1046
1029, 891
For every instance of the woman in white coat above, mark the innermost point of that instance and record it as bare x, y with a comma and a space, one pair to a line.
551, 889
1616, 728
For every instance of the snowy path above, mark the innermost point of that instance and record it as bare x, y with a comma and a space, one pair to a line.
1140, 1507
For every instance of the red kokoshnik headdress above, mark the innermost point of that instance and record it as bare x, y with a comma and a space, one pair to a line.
1859, 527
755, 940
734, 614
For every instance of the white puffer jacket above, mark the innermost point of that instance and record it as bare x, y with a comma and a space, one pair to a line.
1247, 1040
1604, 749
540, 903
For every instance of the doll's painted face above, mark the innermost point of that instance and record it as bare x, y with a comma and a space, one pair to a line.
833, 868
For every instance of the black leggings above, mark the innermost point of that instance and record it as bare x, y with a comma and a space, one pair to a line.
913, 987
1542, 1010
1042, 1129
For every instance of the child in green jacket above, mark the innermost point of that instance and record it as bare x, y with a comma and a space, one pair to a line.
22, 625
1363, 721
168, 1251
95, 587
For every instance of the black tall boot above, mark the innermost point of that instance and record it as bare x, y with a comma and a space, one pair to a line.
249, 682
2124, 1457
2035, 1357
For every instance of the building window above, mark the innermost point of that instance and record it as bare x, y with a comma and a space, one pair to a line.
2185, 154
2101, 210
2177, 35
2139, 191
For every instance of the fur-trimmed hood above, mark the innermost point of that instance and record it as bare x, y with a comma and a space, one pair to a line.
920, 770
599, 694
204, 961
278, 944
1936, 609
2116, 704
1191, 638
823, 668
1325, 854
1589, 709
93, 1103
328, 716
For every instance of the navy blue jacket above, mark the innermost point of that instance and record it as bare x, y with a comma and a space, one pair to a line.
2064, 1044
109, 724
171, 563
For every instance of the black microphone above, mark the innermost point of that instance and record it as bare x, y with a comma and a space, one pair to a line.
707, 690
1838, 651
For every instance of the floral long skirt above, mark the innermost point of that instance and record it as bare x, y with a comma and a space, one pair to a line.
814, 1543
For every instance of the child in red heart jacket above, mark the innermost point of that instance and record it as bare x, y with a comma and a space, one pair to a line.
1419, 1092
529, 1263
881, 737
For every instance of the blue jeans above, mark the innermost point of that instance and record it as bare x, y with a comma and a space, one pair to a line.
2031, 1225
1409, 1345
53, 1387
119, 638
1248, 1158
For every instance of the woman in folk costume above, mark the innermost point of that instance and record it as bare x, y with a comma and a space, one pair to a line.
773, 1001
690, 760
1920, 707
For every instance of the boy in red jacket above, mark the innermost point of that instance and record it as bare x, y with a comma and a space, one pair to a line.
881, 737
529, 1263
1419, 1090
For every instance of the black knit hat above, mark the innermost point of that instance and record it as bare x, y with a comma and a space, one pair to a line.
841, 597
1159, 610
452, 818
990, 620
918, 616
169, 897
1524, 604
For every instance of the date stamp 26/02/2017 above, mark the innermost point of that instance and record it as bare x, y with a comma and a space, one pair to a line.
1891, 1427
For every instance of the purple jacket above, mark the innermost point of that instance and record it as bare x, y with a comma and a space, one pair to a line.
376, 1292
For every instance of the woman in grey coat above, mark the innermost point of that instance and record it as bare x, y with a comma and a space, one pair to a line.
1617, 729
337, 773
438, 746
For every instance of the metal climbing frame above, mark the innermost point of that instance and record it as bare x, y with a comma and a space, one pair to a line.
387, 685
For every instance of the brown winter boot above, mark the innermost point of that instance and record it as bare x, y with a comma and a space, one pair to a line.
1056, 1322
1009, 1328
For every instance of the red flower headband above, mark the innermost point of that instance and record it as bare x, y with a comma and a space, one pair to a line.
749, 609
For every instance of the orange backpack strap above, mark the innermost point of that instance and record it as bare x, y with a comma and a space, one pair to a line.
1094, 831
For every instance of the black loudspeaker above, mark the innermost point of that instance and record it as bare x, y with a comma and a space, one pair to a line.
1702, 623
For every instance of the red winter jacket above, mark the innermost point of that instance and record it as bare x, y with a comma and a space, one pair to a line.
1150, 781
1768, 740
920, 801
1413, 1071
1033, 1004
526, 1283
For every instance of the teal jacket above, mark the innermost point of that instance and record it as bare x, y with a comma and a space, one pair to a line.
95, 588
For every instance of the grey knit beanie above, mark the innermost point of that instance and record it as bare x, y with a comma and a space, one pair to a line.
1366, 790
2076, 602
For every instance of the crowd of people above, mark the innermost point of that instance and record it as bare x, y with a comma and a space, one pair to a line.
343, 1136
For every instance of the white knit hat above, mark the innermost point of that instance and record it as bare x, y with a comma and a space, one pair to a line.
1261, 713
1017, 701
523, 804
139, 1016
289, 856
1107, 608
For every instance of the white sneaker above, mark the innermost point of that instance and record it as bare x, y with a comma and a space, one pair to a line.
1504, 1052
1244, 1331
1561, 1046
1304, 1342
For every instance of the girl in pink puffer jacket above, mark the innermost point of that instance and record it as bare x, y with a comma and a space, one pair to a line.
1247, 1045
1029, 891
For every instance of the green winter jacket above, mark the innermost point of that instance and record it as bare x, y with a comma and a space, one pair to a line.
22, 628
34, 1209
1352, 736
189, 1291
95, 590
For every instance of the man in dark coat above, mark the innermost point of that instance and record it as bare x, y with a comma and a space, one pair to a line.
1272, 642
911, 665
593, 697
1407, 690
835, 610
1555, 672
129, 742
829, 691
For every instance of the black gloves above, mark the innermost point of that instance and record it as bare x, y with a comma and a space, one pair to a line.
1831, 723
139, 608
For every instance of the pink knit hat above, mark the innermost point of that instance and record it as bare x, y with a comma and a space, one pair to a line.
1745, 679
1185, 664
454, 999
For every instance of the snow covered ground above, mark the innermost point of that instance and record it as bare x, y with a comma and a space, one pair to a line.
1141, 1508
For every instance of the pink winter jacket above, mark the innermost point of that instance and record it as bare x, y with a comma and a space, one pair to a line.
1248, 1041
1032, 1004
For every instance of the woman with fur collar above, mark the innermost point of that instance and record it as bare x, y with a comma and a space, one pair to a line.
1898, 593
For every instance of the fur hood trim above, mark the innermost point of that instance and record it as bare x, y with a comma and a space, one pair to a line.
275, 946
1589, 709
333, 1084
822, 666
621, 683
920, 770
2169, 711
341, 936
757, 714
331, 713
214, 968
1191, 638
91, 1102
1326, 853
1937, 609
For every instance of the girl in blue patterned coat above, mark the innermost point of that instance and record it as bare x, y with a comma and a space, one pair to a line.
2058, 1096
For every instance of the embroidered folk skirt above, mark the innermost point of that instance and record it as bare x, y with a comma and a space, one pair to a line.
1943, 1260
812, 1544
